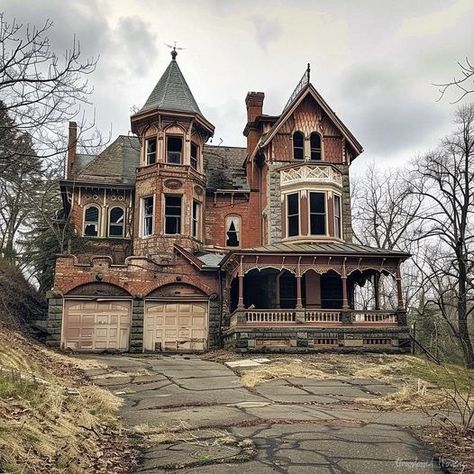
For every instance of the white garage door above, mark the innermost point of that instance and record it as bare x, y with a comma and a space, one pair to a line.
173, 326
96, 325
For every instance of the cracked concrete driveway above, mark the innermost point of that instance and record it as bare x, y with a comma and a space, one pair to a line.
198, 418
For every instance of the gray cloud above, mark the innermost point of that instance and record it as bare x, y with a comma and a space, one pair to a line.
266, 30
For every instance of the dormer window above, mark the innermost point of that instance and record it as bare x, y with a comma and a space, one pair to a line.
150, 151
298, 146
194, 155
315, 141
174, 150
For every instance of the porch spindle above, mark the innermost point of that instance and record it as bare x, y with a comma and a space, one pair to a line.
377, 290
401, 305
345, 301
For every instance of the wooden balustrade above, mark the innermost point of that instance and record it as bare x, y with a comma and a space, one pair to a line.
270, 316
374, 317
323, 316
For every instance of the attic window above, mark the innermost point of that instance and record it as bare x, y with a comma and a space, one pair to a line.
174, 147
194, 156
315, 146
298, 146
150, 151
91, 221
232, 226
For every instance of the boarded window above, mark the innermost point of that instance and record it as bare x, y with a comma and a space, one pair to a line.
150, 150
232, 231
293, 214
172, 215
315, 141
148, 215
174, 150
337, 216
194, 156
116, 222
298, 146
317, 213
91, 221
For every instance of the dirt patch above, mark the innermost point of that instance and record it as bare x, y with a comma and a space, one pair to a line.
52, 419
455, 451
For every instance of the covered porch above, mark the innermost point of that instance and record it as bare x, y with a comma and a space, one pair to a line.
325, 285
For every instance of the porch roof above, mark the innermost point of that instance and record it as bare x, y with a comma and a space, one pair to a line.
320, 248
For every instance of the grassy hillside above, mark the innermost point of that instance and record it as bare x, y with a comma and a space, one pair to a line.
51, 418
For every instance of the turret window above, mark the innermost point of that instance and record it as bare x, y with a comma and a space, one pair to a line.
298, 146
150, 151
232, 231
194, 156
293, 214
196, 220
148, 218
172, 215
315, 141
174, 150
92, 221
116, 222
317, 213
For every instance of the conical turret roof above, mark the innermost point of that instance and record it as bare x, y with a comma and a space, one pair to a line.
172, 92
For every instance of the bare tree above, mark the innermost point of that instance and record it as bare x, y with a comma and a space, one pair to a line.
464, 83
444, 180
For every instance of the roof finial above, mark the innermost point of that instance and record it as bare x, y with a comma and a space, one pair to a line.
308, 70
174, 49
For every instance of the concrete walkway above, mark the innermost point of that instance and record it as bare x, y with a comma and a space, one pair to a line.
200, 419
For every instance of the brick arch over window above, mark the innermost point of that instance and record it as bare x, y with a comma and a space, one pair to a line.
98, 289
176, 289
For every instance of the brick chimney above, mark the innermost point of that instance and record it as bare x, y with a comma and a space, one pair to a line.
254, 103
71, 148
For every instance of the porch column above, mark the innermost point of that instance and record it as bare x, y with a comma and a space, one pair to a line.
398, 277
345, 301
277, 292
377, 290
240, 302
299, 301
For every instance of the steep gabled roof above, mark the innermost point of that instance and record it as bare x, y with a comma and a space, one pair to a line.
308, 89
224, 169
172, 92
117, 164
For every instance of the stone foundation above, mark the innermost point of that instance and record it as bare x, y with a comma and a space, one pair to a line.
312, 339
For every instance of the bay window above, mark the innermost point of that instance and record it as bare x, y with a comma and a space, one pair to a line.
317, 213
293, 214
173, 215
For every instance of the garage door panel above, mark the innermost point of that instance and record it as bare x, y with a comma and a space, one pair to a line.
175, 326
96, 325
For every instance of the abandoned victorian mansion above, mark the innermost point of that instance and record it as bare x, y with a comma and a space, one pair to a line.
187, 246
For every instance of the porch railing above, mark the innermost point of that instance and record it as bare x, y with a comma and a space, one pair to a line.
312, 316
323, 316
376, 316
270, 316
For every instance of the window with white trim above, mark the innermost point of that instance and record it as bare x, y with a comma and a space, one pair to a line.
150, 151
196, 220
232, 226
173, 215
92, 221
317, 213
174, 150
337, 217
116, 222
148, 215
293, 214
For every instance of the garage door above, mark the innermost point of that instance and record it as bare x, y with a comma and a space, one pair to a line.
96, 325
173, 326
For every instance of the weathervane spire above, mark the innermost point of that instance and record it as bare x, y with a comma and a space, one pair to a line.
174, 50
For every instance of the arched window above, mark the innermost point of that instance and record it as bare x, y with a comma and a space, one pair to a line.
91, 221
232, 228
315, 140
116, 222
298, 146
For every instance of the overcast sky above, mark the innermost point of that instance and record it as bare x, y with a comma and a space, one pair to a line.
373, 61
